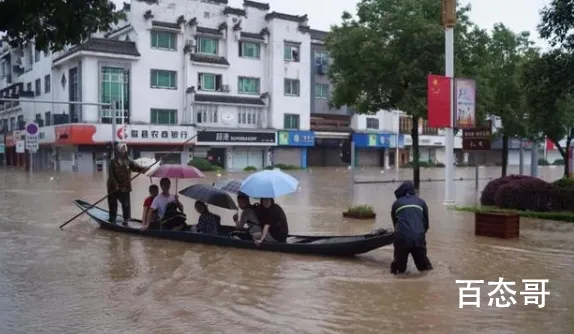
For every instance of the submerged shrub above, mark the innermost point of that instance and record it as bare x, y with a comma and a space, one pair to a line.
488, 193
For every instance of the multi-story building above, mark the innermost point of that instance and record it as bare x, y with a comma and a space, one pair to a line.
171, 70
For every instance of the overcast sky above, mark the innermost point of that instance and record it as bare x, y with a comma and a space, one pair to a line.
519, 15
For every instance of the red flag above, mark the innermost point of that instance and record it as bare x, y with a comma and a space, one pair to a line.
550, 145
438, 101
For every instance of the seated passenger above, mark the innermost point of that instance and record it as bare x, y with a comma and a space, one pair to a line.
248, 217
159, 216
153, 192
273, 221
208, 222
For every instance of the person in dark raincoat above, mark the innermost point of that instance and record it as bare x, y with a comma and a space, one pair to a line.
119, 183
410, 216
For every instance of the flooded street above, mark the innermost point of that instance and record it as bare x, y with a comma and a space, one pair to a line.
86, 280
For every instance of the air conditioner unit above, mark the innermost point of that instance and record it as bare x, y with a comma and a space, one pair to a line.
191, 41
225, 88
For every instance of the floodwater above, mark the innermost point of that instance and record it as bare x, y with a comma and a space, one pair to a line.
86, 280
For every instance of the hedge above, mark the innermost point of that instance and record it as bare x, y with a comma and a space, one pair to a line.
527, 193
424, 164
489, 191
563, 216
203, 165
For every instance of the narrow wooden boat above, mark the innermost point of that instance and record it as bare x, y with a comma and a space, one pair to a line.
341, 246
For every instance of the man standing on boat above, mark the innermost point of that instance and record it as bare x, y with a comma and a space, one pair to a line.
410, 216
119, 182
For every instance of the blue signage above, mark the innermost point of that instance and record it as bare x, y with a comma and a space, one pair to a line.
296, 138
377, 140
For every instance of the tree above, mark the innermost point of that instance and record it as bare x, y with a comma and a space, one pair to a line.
381, 58
52, 24
557, 23
548, 85
506, 52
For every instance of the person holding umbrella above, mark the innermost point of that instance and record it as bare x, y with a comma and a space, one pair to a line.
119, 183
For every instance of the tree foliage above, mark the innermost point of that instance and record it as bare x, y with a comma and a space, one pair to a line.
52, 24
382, 57
550, 96
557, 23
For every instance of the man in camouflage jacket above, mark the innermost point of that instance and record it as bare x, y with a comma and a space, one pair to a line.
119, 183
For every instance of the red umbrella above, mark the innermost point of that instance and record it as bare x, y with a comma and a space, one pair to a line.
177, 172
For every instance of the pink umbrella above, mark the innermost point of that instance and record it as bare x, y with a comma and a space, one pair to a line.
177, 172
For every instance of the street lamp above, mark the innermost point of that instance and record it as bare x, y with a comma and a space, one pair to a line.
449, 22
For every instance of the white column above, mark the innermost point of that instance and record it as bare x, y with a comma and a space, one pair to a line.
449, 145
386, 159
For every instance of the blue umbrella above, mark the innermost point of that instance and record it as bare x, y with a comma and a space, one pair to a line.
269, 184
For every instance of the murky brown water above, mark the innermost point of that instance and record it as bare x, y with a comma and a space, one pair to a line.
85, 280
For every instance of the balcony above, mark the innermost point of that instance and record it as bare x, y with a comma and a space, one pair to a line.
227, 116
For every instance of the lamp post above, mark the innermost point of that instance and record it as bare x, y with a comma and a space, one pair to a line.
398, 127
449, 22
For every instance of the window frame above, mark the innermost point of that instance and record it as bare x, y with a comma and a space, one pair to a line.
154, 40
289, 83
242, 49
291, 117
288, 56
172, 116
257, 83
159, 71
321, 97
203, 52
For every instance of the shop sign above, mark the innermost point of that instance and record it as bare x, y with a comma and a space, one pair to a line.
233, 137
150, 134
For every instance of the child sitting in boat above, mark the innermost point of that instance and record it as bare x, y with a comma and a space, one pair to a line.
153, 192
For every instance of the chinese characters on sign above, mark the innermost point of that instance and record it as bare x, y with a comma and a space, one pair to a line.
236, 137
476, 139
503, 293
152, 135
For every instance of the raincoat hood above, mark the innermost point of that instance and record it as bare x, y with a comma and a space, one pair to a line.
406, 188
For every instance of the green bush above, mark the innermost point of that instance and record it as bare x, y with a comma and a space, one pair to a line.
566, 189
361, 210
543, 162
282, 167
424, 164
203, 165
558, 162
250, 168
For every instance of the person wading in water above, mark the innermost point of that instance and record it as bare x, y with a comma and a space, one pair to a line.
410, 216
119, 183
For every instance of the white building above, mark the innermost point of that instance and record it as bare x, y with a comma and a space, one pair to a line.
173, 69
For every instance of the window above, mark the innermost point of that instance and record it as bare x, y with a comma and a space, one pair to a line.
207, 45
37, 55
29, 87
291, 87
38, 87
12, 123
291, 121
249, 50
115, 88
248, 86
163, 40
248, 116
163, 79
38, 119
47, 84
163, 116
321, 58
372, 123
321, 91
405, 124
206, 113
20, 124
74, 95
428, 130
292, 52
209, 82
48, 117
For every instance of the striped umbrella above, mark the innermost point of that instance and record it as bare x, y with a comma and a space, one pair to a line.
229, 185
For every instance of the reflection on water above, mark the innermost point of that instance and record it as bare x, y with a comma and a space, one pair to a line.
85, 280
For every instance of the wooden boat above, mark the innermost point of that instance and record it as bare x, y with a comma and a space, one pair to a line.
340, 246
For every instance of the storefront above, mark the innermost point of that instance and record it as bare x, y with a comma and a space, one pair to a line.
292, 147
373, 149
15, 149
2, 151
431, 148
327, 149
239, 149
